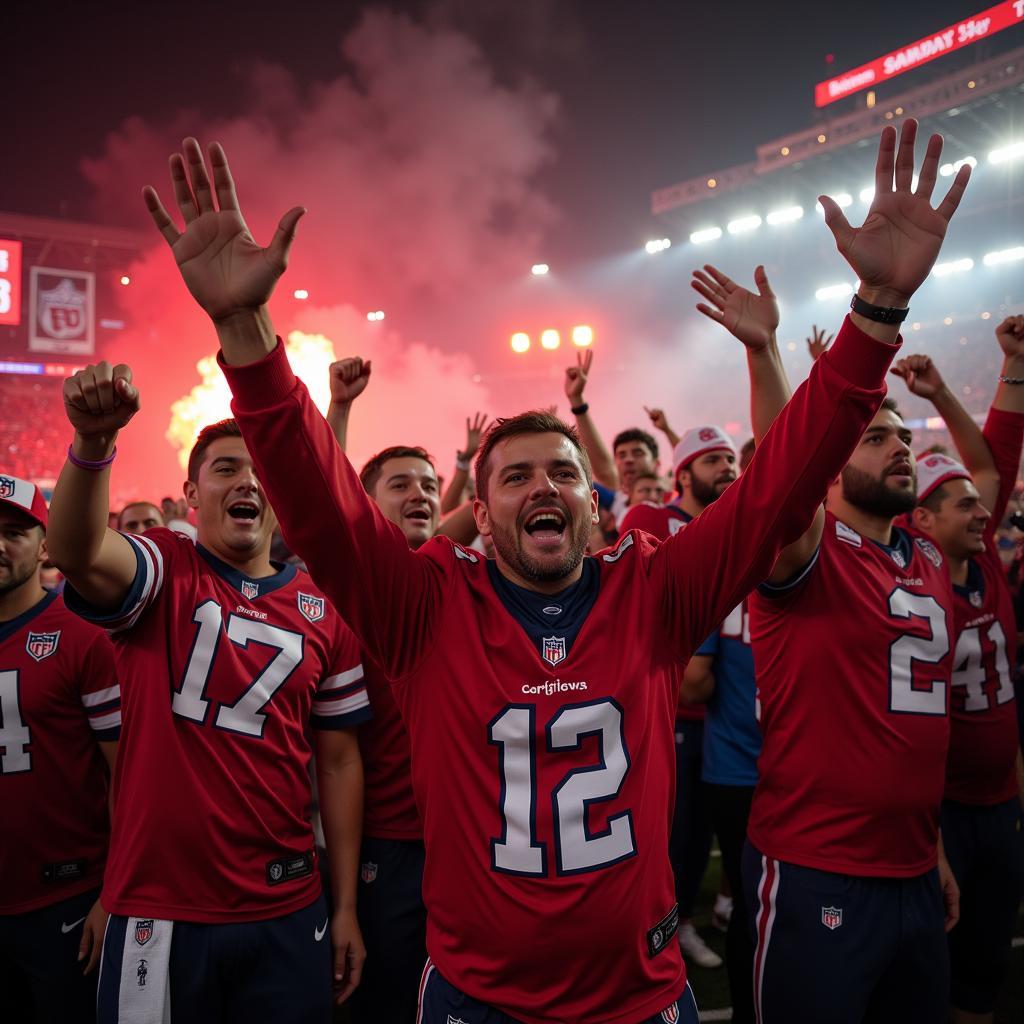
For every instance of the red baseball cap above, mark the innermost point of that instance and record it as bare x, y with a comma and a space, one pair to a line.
24, 496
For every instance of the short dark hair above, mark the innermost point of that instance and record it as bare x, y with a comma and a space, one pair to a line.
645, 476
636, 434
136, 504
890, 404
370, 473
536, 421
209, 434
934, 499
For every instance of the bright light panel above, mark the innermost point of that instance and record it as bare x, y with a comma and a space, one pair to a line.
706, 235
785, 216
952, 267
867, 194
520, 342
583, 335
656, 245
994, 259
300, 293
550, 339
833, 291
743, 224
539, 269
1005, 153
948, 170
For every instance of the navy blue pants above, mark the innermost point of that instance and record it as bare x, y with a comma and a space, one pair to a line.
442, 1003
393, 921
689, 845
840, 949
278, 970
985, 849
41, 979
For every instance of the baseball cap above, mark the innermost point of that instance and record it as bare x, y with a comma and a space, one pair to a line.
24, 496
935, 469
699, 440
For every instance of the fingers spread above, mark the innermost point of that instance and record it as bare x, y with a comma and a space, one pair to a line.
197, 172
712, 296
905, 156
715, 314
182, 192
761, 280
956, 192
837, 223
930, 167
886, 160
222, 180
160, 216
281, 243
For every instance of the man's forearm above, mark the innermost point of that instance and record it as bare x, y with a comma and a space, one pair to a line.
452, 497
337, 417
246, 336
1010, 397
965, 433
341, 813
80, 507
769, 388
601, 462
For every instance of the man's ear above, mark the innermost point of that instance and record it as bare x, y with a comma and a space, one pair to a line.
482, 518
191, 492
923, 518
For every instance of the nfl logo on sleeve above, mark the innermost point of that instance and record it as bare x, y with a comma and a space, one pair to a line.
553, 649
831, 917
311, 607
42, 645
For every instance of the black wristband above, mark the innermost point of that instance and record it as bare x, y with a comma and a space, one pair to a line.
579, 410
880, 314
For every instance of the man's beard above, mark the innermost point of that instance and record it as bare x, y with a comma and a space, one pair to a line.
873, 496
705, 494
18, 579
507, 548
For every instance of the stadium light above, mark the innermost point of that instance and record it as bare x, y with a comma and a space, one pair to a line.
583, 335
952, 267
705, 235
867, 194
300, 293
125, 280
948, 170
539, 269
833, 291
377, 314
743, 224
995, 259
841, 199
550, 339
520, 342
1006, 153
785, 216
656, 245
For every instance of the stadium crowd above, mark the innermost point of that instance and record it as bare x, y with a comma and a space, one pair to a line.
522, 704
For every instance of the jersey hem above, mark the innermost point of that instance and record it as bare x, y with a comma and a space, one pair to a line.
836, 867
170, 912
393, 833
992, 801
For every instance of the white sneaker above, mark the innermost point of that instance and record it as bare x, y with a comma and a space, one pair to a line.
695, 948
722, 913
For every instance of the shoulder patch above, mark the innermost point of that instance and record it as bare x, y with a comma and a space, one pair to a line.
42, 645
848, 535
624, 545
311, 607
461, 552
929, 550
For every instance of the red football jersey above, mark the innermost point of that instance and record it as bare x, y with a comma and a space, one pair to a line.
546, 782
221, 675
853, 669
58, 696
984, 739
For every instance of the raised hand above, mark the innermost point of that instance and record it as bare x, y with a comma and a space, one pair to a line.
349, 378
100, 399
224, 268
750, 318
817, 343
921, 376
576, 377
1010, 335
897, 245
658, 419
474, 431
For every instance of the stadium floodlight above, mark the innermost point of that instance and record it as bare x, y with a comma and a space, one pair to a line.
994, 259
948, 170
1006, 153
656, 245
550, 339
867, 194
520, 342
583, 335
706, 235
539, 269
786, 215
843, 200
125, 280
377, 314
833, 291
300, 293
952, 267
743, 224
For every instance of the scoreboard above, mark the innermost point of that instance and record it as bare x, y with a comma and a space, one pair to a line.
10, 282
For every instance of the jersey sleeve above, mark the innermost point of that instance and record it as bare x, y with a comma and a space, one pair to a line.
154, 553
99, 689
647, 517
704, 571
389, 596
341, 700
1004, 433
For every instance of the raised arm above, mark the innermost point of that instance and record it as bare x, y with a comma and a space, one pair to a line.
349, 378
98, 562
1004, 428
660, 422
463, 460
602, 461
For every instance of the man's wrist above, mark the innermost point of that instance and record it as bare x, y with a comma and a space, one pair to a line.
93, 447
246, 335
579, 408
885, 297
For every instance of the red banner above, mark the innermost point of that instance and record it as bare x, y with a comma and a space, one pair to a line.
956, 37
10, 282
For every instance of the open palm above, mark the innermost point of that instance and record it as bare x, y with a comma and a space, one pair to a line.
751, 318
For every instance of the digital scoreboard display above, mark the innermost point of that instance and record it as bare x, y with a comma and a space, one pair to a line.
10, 282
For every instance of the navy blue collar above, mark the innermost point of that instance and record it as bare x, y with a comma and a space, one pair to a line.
901, 550
249, 587
975, 583
8, 629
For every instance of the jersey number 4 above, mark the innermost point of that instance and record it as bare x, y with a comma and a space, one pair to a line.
517, 851
14, 733
246, 714
969, 667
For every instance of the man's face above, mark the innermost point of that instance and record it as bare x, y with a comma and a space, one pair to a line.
139, 518
232, 513
959, 524
880, 478
407, 494
647, 488
709, 474
540, 508
167, 507
631, 459
22, 548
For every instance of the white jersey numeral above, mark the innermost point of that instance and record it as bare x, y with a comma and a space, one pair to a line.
904, 697
969, 668
14, 733
517, 851
246, 714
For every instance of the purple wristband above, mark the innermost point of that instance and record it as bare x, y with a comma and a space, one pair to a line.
88, 463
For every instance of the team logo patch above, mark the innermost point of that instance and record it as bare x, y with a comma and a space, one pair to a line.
250, 590
42, 645
847, 535
898, 558
143, 931
464, 554
7, 486
368, 872
455, 1020
276, 872
708, 434
976, 599
929, 550
311, 607
553, 649
624, 545
670, 1015
831, 917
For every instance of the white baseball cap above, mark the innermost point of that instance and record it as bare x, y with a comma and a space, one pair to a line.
699, 440
935, 469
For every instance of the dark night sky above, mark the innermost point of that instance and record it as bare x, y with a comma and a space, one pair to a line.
652, 91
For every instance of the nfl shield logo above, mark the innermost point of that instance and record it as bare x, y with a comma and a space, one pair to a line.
553, 649
670, 1015
42, 645
250, 591
62, 310
143, 932
6, 487
831, 917
311, 607
368, 872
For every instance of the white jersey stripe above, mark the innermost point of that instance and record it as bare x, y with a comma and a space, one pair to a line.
351, 675
90, 700
428, 969
101, 722
344, 706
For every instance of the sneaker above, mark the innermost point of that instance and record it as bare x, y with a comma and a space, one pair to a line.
722, 914
695, 948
